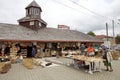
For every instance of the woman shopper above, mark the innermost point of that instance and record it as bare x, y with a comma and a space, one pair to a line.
107, 59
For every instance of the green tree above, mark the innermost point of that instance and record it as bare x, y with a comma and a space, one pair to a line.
91, 33
117, 38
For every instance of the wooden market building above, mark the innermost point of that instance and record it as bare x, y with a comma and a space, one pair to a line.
32, 29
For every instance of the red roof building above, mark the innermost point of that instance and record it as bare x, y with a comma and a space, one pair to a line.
104, 37
63, 27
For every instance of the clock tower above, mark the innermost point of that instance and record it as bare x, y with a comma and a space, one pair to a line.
33, 17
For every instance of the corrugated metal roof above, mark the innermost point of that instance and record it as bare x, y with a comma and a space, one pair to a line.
17, 32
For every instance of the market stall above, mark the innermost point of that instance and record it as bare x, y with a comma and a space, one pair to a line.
89, 60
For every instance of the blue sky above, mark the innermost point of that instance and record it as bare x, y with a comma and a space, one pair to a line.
65, 12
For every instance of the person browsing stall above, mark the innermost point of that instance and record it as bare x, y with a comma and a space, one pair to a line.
90, 51
107, 56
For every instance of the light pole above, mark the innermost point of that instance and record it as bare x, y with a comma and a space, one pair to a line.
107, 42
113, 24
107, 31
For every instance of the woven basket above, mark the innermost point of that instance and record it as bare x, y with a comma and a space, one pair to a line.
115, 55
28, 63
6, 68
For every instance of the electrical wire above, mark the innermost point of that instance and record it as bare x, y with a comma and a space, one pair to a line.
72, 9
97, 15
93, 12
68, 6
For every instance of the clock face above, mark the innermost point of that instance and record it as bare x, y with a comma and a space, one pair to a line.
40, 24
31, 23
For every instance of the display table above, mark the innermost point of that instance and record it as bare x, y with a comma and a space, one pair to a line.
70, 52
90, 61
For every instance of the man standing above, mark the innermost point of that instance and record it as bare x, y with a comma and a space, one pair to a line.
82, 49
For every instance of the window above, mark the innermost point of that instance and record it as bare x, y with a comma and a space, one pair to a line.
36, 11
27, 12
30, 11
31, 23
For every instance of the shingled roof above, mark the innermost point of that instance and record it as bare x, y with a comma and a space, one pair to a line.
33, 4
12, 32
31, 19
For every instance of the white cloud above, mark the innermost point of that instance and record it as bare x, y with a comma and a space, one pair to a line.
65, 12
